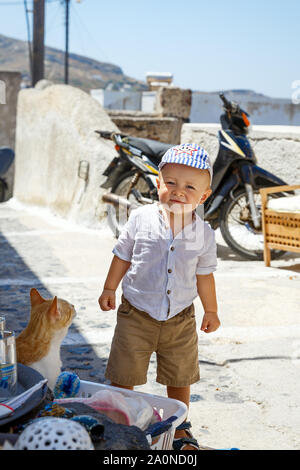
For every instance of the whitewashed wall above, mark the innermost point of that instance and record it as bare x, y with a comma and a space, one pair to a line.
126, 100
277, 148
55, 132
207, 107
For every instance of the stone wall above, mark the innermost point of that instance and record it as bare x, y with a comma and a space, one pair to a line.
172, 109
10, 86
148, 126
55, 132
277, 148
173, 102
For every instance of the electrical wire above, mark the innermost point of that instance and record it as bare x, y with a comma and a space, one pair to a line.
52, 23
88, 31
8, 4
78, 31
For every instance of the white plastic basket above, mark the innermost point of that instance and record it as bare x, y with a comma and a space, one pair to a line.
166, 407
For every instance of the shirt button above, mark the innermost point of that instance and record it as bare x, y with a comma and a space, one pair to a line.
172, 248
168, 292
169, 270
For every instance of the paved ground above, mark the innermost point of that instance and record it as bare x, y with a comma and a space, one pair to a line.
248, 396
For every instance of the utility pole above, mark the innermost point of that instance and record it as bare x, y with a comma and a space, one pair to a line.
67, 2
38, 40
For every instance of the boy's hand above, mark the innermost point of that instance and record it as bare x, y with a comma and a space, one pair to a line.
210, 322
107, 299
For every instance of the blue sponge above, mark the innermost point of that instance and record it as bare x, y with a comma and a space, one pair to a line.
67, 385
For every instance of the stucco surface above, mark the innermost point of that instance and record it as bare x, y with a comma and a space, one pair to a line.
277, 148
55, 132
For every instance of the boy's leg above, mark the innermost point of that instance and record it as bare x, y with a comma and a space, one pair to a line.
130, 352
178, 361
121, 386
181, 394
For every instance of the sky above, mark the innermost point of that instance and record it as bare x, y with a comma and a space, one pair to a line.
208, 45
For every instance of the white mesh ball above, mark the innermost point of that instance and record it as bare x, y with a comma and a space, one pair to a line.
51, 433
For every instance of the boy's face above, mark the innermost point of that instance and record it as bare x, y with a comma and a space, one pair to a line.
182, 188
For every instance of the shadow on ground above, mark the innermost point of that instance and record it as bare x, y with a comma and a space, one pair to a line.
293, 267
225, 253
16, 280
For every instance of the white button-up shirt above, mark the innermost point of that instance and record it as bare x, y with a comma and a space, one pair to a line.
161, 279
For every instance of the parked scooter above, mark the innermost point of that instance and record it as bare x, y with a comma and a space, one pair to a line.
234, 205
7, 156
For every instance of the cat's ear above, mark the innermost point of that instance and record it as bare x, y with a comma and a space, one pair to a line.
53, 311
35, 298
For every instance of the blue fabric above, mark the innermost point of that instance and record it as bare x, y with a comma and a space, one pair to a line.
67, 385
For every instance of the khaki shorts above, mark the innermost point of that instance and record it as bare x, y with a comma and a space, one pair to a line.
137, 335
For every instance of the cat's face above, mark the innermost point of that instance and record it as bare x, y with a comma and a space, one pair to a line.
67, 312
48, 325
61, 316
55, 313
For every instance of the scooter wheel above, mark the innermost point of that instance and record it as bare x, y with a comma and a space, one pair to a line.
238, 230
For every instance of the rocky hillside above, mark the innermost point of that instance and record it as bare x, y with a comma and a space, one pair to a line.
84, 73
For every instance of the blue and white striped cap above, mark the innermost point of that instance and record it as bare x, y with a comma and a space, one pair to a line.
190, 155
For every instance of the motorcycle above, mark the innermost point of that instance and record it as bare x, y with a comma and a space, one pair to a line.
7, 156
234, 205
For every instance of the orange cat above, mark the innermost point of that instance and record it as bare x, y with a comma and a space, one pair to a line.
38, 346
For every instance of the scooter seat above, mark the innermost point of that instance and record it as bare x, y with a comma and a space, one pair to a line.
152, 148
6, 158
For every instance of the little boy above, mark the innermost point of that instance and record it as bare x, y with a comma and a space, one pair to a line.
166, 255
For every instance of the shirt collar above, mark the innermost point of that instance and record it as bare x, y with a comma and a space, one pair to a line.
189, 230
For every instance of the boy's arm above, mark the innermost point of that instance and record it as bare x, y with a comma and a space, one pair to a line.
117, 271
120, 263
207, 293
